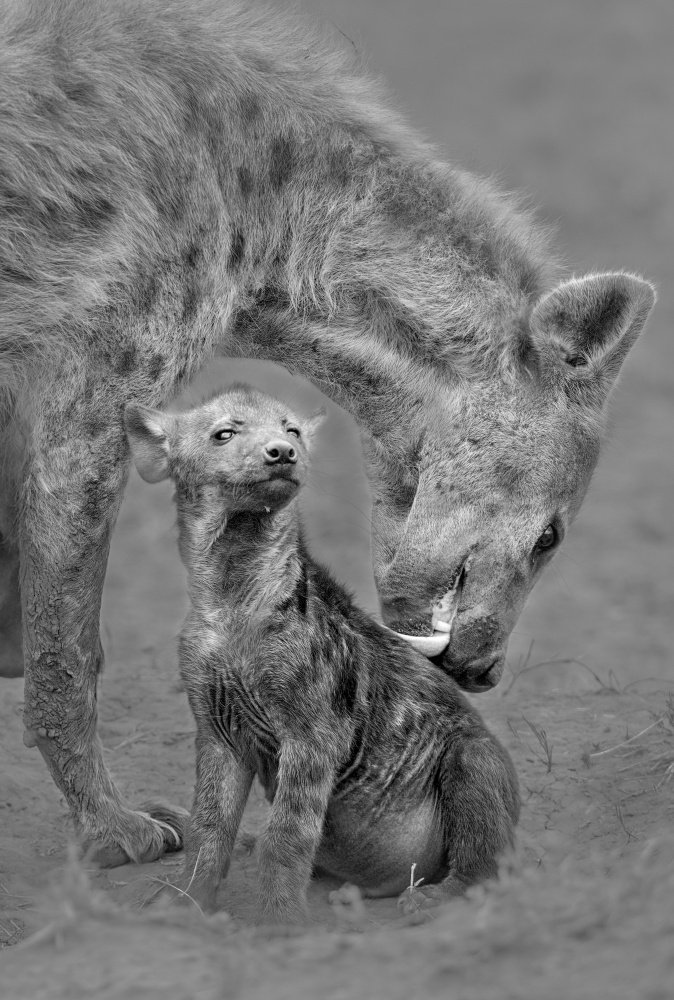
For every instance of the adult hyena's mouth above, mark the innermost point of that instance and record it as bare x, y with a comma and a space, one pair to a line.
443, 613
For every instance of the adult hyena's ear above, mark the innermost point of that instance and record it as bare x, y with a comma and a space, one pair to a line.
148, 434
584, 328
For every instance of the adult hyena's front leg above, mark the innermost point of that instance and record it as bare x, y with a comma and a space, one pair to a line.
72, 485
11, 657
11, 648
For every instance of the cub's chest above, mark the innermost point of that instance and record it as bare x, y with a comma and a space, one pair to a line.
254, 694
240, 714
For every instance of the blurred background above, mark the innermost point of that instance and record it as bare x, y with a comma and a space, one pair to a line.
572, 102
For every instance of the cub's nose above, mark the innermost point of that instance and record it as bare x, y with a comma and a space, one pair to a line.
279, 452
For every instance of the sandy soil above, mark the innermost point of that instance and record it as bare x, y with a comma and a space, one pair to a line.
572, 102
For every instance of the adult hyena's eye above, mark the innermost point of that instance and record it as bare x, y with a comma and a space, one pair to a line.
291, 429
547, 538
223, 435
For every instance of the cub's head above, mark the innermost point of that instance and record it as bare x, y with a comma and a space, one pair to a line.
246, 444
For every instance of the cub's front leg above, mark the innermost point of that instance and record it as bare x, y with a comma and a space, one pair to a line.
222, 787
289, 844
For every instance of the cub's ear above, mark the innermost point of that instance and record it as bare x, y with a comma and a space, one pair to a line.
311, 424
583, 329
148, 434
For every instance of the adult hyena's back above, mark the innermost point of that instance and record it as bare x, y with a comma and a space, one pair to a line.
129, 137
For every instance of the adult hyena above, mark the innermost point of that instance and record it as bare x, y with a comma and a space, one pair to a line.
372, 759
176, 174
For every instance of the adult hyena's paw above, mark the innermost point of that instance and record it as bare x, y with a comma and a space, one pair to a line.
139, 836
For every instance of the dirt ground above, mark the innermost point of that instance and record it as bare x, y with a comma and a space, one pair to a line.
574, 102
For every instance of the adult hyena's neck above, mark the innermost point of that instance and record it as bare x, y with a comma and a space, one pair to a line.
241, 561
371, 264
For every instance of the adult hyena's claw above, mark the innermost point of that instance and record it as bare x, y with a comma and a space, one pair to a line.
138, 836
173, 821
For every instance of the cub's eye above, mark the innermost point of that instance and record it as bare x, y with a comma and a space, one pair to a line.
291, 429
547, 539
223, 435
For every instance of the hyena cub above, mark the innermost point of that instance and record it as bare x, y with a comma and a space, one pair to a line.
371, 757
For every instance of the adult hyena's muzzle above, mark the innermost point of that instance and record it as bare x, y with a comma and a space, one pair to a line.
432, 636
475, 655
467, 643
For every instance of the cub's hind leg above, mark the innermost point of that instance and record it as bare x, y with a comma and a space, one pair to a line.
479, 805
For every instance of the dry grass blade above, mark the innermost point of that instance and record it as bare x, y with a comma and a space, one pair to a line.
657, 722
526, 668
182, 892
163, 884
17, 901
542, 738
11, 933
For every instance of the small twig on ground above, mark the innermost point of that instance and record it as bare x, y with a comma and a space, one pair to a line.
130, 739
15, 896
619, 814
657, 722
169, 737
182, 892
562, 662
667, 776
52, 932
542, 738
16, 931
409, 903
162, 886
648, 680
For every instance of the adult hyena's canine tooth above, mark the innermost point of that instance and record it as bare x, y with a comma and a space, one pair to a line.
443, 626
429, 645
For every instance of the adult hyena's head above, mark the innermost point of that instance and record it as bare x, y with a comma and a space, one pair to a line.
474, 490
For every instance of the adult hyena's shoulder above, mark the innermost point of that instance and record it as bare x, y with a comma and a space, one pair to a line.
130, 129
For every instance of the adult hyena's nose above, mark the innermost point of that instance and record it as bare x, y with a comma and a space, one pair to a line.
279, 453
